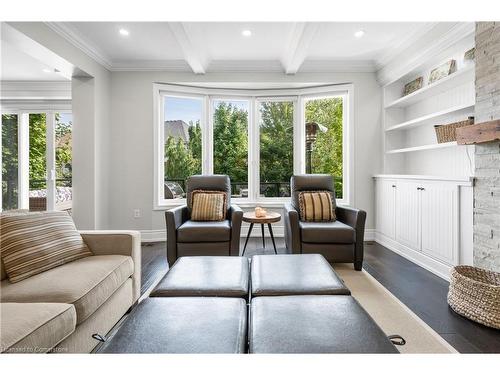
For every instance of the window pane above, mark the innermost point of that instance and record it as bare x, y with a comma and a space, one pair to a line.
182, 149
276, 148
9, 162
324, 138
231, 143
63, 147
37, 161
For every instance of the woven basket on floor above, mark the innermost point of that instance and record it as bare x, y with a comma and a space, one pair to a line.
475, 294
447, 133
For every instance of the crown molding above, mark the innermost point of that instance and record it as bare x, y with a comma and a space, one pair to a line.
403, 44
79, 41
338, 66
435, 41
151, 66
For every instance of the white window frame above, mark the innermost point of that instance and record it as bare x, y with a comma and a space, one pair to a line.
298, 95
23, 111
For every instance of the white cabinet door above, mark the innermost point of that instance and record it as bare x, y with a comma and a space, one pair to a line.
408, 214
385, 207
440, 221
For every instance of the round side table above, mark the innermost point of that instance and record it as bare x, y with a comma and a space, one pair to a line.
271, 217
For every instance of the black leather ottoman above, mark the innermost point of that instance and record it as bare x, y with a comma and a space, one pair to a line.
307, 274
182, 325
314, 324
207, 276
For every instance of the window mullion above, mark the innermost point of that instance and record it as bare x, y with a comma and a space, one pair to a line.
23, 127
50, 160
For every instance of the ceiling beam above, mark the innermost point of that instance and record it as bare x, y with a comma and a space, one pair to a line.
191, 53
296, 50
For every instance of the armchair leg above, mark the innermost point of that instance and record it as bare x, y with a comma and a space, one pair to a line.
358, 265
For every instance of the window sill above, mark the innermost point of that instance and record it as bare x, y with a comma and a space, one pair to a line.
243, 203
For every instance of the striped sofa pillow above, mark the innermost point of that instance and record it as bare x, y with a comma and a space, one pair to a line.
208, 205
316, 206
36, 242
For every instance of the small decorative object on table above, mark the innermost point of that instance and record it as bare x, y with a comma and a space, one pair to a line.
442, 71
475, 294
447, 133
260, 212
413, 86
470, 54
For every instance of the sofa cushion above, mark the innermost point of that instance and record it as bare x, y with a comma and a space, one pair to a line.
316, 206
216, 276
35, 327
204, 231
86, 283
34, 243
332, 232
208, 205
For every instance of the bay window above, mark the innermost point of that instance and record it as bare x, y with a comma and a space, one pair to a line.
259, 138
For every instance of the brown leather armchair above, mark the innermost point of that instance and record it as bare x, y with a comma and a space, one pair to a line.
340, 241
193, 238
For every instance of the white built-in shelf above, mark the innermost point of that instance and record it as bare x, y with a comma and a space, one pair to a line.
423, 119
461, 76
421, 148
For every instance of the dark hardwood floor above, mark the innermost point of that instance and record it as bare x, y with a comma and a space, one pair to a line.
422, 291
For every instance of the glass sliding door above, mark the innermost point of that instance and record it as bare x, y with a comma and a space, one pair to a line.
10, 167
63, 160
276, 147
230, 142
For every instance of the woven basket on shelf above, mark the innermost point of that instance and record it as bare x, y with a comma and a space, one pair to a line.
475, 294
446, 133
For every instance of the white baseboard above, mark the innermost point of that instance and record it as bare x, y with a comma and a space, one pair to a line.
158, 235
436, 267
369, 234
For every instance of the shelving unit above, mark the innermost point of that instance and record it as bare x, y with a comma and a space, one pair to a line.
422, 148
410, 144
423, 120
463, 75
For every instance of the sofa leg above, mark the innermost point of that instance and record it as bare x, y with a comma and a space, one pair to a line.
358, 266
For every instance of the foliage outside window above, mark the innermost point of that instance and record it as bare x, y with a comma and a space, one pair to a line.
326, 154
231, 143
246, 126
276, 148
9, 162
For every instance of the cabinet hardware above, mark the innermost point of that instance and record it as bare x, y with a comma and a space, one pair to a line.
394, 186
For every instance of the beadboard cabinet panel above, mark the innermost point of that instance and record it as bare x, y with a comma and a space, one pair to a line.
386, 201
439, 213
408, 214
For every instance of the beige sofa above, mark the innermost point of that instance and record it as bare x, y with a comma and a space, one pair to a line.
59, 310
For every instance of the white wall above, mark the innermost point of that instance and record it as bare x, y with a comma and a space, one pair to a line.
90, 94
131, 138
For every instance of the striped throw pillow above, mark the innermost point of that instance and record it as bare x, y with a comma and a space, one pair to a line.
36, 242
316, 206
208, 205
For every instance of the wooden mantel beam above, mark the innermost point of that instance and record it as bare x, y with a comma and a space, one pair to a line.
479, 133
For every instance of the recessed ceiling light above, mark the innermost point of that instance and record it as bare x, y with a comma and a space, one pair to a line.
124, 32
246, 33
359, 33
47, 70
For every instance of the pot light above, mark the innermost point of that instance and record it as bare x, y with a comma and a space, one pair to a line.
47, 70
124, 32
246, 33
359, 33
